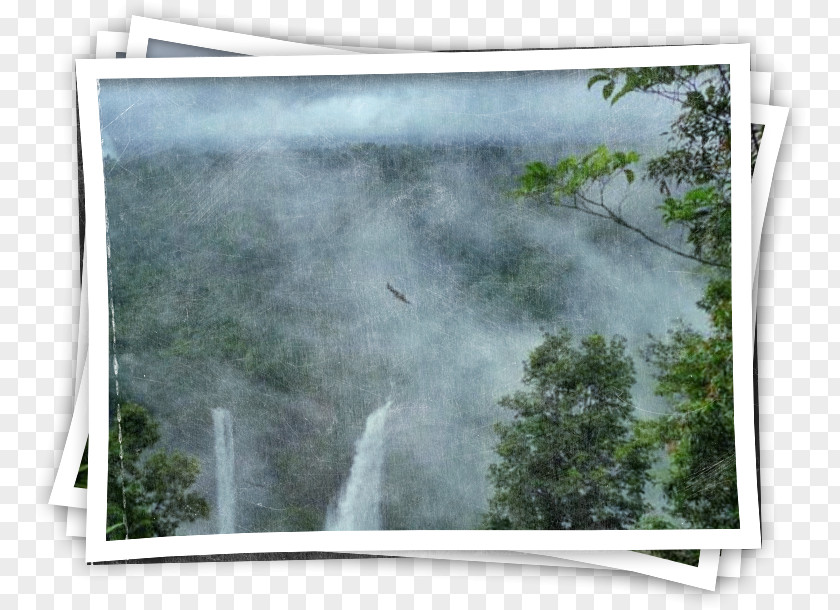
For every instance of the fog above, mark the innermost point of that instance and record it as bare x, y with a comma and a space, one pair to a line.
501, 108
256, 224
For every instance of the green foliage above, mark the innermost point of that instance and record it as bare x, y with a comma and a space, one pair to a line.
706, 218
700, 136
148, 493
82, 475
695, 374
697, 161
568, 460
212, 296
694, 370
304, 477
655, 78
570, 175
653, 521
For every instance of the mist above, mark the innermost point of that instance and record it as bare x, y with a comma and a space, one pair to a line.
256, 224
151, 115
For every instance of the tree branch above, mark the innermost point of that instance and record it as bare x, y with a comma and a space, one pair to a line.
610, 215
724, 75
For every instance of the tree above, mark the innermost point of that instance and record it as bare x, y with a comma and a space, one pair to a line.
148, 493
694, 179
693, 174
658, 521
568, 460
695, 374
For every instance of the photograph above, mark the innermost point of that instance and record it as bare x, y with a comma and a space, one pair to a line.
473, 301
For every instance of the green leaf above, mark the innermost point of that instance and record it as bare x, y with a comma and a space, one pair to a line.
629, 86
628, 173
113, 528
695, 100
595, 79
608, 90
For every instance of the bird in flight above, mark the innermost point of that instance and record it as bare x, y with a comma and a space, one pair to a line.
397, 294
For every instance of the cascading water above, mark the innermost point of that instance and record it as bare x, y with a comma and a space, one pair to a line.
359, 506
225, 486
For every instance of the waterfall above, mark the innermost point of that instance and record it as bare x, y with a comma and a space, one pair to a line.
225, 486
359, 505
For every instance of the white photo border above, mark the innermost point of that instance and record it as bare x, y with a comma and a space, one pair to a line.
64, 491
143, 29
703, 575
75, 523
774, 119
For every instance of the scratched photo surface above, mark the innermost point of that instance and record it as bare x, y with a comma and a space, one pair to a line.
426, 301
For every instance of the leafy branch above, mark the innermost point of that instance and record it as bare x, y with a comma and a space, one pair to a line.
580, 184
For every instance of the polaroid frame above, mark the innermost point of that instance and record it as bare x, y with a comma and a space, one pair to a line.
91, 71
108, 45
64, 491
774, 119
760, 92
75, 522
760, 86
143, 29
703, 575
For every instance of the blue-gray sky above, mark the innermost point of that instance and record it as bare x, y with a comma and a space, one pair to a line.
522, 107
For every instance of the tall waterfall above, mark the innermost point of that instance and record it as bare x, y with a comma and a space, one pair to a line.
359, 505
225, 483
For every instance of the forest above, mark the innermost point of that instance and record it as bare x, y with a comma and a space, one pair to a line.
526, 333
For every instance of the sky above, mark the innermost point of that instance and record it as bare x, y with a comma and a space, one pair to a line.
491, 107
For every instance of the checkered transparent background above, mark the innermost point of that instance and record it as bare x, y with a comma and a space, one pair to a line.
798, 332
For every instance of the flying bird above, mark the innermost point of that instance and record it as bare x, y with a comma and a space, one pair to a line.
397, 294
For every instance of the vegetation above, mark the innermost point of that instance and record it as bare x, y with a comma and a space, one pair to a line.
148, 491
757, 133
243, 285
658, 521
82, 475
568, 458
693, 175
694, 368
250, 305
